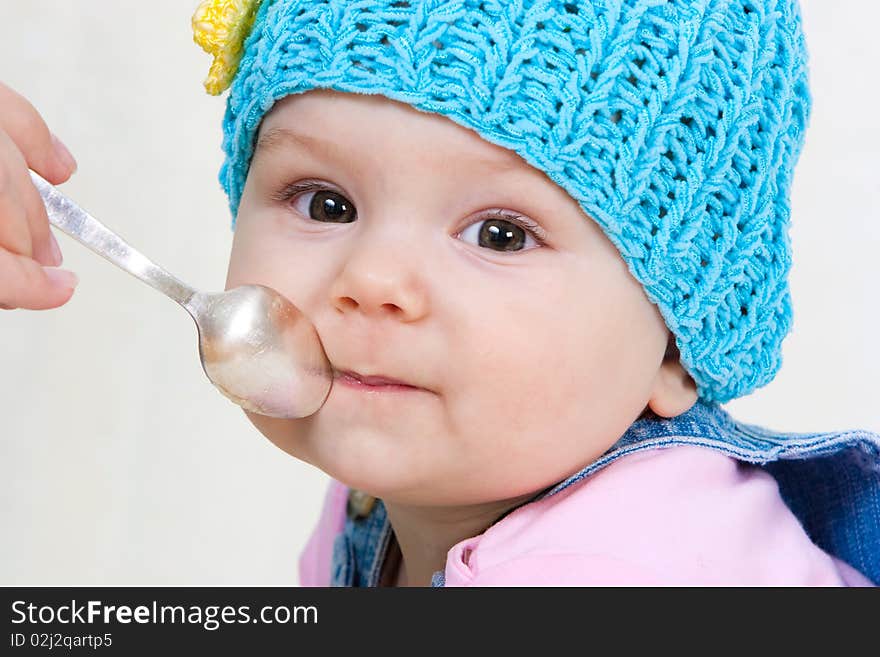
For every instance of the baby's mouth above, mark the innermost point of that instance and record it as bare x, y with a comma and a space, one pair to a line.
375, 380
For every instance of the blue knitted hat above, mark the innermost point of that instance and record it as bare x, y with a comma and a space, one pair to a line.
675, 124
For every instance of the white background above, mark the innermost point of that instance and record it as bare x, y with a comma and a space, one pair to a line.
120, 463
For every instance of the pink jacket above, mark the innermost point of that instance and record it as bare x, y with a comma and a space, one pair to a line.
683, 515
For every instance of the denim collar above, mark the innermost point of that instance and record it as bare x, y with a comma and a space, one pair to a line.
831, 481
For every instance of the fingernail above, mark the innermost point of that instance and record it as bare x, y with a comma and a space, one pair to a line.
57, 258
63, 154
62, 277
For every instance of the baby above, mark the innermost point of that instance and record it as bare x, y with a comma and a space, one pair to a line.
541, 242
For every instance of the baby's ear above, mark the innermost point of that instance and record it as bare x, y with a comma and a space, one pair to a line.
674, 390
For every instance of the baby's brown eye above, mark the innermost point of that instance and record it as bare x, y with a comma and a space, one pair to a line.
499, 235
329, 206
502, 235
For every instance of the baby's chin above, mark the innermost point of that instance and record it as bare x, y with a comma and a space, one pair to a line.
435, 488
377, 466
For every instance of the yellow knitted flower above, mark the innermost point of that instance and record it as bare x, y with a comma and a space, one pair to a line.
220, 28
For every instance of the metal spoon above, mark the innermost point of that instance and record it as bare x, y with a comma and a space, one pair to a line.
255, 346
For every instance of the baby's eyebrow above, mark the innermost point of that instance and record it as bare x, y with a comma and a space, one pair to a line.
276, 138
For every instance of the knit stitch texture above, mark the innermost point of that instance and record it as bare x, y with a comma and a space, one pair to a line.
675, 124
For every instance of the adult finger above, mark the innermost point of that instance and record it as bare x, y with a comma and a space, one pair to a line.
24, 283
43, 152
15, 231
18, 192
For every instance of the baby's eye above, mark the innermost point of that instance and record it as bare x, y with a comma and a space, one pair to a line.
498, 231
321, 204
501, 232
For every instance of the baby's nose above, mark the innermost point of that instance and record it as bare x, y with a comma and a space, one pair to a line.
381, 277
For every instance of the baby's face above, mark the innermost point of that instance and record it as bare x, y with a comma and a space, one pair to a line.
425, 254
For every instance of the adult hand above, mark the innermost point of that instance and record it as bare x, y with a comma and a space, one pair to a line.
29, 253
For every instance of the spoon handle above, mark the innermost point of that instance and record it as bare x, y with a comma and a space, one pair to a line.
79, 224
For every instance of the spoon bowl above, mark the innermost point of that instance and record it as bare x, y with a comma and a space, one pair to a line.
261, 351
255, 346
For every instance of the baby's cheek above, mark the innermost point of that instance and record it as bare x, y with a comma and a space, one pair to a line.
513, 394
550, 393
257, 259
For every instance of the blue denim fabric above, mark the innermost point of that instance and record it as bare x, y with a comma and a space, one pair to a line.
830, 481
359, 551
